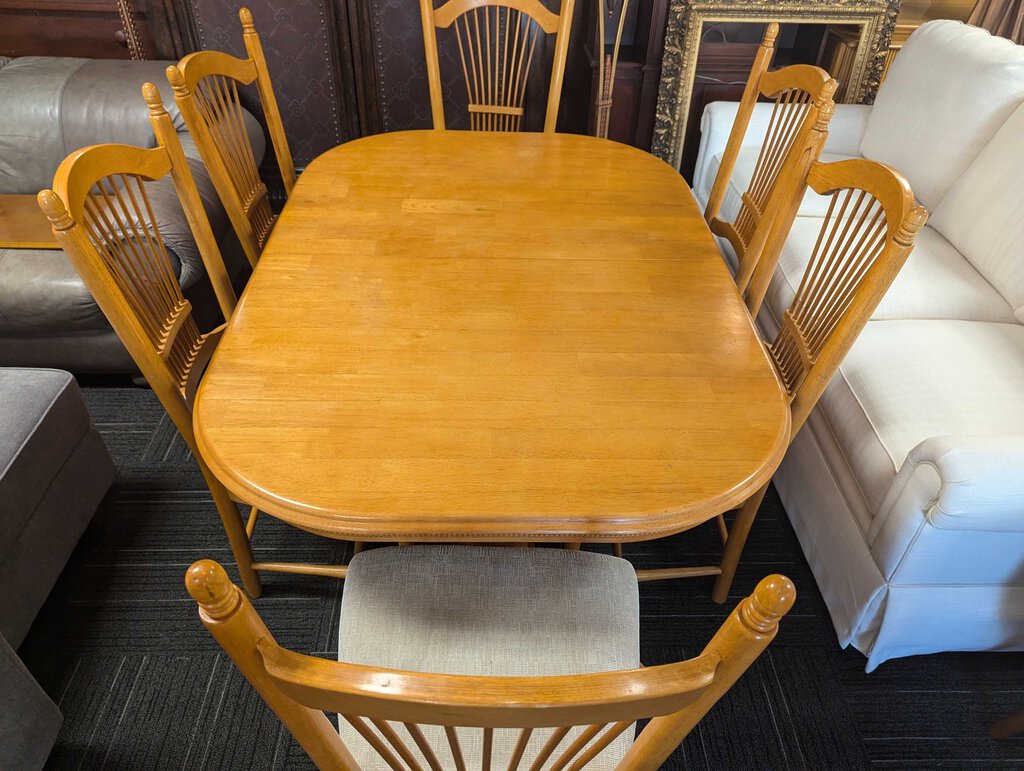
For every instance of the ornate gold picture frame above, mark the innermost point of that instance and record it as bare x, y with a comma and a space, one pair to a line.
686, 20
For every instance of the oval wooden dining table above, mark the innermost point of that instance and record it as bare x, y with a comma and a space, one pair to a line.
457, 336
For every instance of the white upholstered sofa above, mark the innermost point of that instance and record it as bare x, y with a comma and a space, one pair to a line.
906, 487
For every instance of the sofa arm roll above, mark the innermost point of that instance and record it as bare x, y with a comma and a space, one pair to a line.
963, 483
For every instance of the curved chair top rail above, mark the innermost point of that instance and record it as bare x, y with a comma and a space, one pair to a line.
446, 15
803, 77
194, 67
498, 702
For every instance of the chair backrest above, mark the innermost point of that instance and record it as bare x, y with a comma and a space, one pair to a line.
542, 711
866, 235
102, 217
497, 43
795, 136
205, 87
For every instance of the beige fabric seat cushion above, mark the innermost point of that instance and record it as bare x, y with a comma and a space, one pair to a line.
905, 381
474, 610
813, 205
936, 282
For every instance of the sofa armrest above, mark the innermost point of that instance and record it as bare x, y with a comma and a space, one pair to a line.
954, 512
963, 483
845, 132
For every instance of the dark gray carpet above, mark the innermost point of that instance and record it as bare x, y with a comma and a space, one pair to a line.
142, 685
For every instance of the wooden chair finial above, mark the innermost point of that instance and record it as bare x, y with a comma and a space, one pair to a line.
245, 16
771, 33
771, 600
151, 95
54, 209
826, 107
177, 81
911, 225
210, 586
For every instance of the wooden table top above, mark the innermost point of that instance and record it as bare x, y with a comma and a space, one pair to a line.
23, 225
464, 336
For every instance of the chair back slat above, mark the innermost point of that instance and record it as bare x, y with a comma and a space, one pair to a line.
556, 738
590, 710
520, 749
497, 42
121, 226
796, 132
865, 237
611, 734
397, 744
374, 741
487, 749
455, 748
205, 87
424, 746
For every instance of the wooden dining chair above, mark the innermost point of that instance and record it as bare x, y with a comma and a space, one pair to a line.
497, 42
866, 236
797, 129
466, 716
206, 87
101, 215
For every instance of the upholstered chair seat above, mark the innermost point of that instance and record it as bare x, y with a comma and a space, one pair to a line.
489, 611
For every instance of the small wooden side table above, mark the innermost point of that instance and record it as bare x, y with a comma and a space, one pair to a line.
23, 225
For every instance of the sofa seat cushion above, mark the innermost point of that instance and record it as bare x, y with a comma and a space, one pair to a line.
983, 214
41, 293
943, 99
42, 419
813, 205
905, 381
474, 610
936, 282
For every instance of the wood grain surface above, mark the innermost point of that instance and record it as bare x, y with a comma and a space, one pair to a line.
483, 337
22, 225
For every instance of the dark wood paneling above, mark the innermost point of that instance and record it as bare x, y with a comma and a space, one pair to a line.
90, 28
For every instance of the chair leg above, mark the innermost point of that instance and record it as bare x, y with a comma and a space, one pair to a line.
734, 545
617, 549
231, 518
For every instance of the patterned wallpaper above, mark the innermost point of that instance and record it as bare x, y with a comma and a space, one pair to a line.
297, 41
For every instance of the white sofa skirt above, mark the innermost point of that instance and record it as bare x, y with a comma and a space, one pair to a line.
880, 619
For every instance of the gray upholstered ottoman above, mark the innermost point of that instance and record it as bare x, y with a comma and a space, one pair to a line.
54, 470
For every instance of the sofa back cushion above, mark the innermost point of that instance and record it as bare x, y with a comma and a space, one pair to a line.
53, 106
983, 213
31, 145
948, 92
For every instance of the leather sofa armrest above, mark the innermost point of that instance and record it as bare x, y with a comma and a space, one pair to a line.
845, 132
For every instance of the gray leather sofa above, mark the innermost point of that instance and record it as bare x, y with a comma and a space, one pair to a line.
54, 471
49, 107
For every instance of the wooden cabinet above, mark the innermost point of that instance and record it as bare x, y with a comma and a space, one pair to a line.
99, 29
